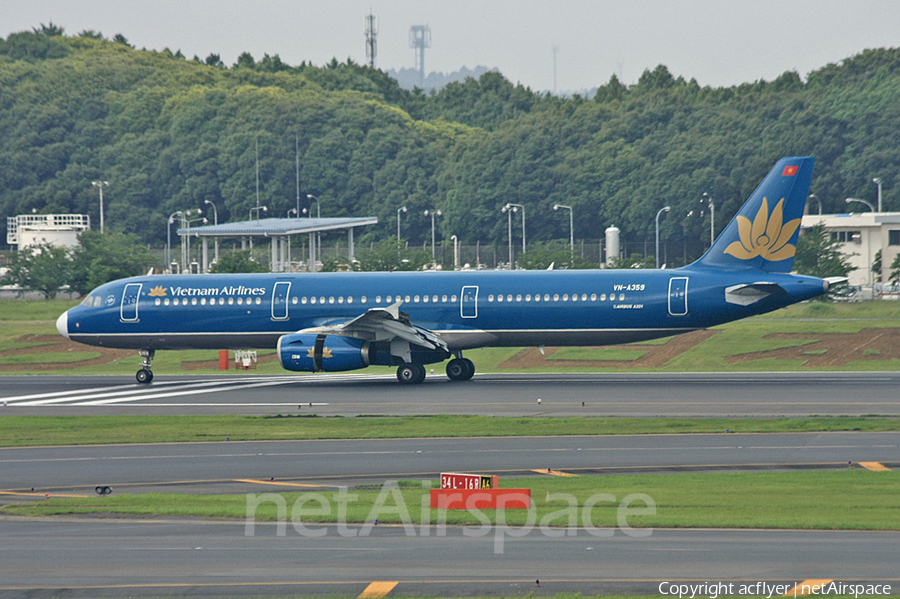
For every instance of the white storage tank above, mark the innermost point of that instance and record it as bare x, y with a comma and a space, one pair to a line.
612, 245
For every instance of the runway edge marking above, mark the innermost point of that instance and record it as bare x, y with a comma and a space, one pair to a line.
875, 466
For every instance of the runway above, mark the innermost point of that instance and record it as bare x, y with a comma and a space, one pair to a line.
169, 558
616, 394
218, 467
100, 557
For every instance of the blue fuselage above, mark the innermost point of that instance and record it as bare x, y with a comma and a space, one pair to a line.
466, 309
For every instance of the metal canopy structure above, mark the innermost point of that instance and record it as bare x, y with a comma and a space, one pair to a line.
277, 229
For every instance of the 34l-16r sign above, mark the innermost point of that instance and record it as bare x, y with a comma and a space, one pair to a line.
454, 480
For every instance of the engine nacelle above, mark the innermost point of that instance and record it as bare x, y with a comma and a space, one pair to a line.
304, 352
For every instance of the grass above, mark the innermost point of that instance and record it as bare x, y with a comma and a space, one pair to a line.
832, 500
591, 353
23, 431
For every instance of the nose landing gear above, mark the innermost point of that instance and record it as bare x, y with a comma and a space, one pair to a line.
145, 375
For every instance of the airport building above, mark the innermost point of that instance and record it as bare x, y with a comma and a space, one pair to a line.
60, 230
862, 236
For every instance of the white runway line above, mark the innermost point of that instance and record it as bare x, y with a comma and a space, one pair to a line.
122, 394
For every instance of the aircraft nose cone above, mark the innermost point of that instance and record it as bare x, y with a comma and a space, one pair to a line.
62, 324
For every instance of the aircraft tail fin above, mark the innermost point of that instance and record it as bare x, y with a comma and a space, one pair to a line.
764, 232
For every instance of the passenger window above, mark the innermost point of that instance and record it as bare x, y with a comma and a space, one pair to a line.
574, 297
407, 299
519, 297
565, 297
415, 299
240, 301
341, 299
388, 299
621, 297
602, 297
362, 300
509, 297
593, 297
193, 301
331, 299
157, 302
444, 298
453, 298
546, 297
555, 297
166, 302
425, 299
202, 301
434, 298
537, 297
499, 298
350, 299
294, 300
312, 300
321, 300
491, 298
303, 300
584, 297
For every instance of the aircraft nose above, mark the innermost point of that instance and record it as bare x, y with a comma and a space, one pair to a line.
62, 324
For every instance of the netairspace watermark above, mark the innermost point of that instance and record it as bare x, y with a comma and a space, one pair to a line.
574, 515
684, 590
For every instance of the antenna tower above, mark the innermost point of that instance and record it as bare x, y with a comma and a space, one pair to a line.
419, 39
371, 34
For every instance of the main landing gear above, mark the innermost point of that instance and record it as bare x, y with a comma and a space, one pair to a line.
410, 373
145, 375
460, 369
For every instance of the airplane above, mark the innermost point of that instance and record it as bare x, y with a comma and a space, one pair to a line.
346, 321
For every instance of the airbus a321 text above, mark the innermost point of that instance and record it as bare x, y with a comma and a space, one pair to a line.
347, 321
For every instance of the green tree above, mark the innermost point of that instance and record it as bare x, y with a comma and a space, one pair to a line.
818, 255
237, 261
541, 255
41, 267
386, 255
895, 270
100, 259
635, 261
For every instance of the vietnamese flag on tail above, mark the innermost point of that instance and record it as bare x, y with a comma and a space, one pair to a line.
789, 171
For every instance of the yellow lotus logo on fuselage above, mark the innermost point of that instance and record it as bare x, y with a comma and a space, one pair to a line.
158, 291
768, 236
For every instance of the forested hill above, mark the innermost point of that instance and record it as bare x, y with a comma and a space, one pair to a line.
170, 132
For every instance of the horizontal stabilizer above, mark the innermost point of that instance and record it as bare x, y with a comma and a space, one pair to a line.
750, 293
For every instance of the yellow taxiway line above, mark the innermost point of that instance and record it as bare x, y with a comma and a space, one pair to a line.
875, 466
378, 589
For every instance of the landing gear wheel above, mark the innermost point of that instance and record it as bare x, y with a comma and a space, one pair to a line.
144, 376
410, 374
460, 369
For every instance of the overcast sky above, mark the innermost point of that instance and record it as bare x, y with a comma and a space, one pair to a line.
718, 42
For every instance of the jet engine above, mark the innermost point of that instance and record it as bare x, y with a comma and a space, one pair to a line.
305, 352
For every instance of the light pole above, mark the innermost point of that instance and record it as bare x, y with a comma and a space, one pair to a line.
869, 204
876, 181
169, 239
205, 221
455, 252
508, 210
812, 196
215, 222
432, 213
102, 184
257, 209
712, 218
523, 222
311, 197
571, 228
661, 210
399, 210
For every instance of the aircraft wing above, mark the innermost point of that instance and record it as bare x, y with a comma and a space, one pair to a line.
750, 293
383, 324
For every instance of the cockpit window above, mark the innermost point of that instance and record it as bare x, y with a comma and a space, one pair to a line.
93, 301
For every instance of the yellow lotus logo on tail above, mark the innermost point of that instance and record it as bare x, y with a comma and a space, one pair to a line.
158, 291
768, 236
